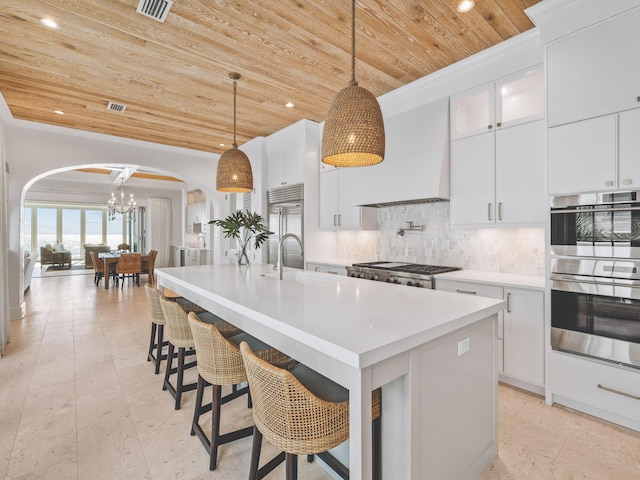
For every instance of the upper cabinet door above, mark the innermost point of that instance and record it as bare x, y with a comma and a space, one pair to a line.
473, 111
629, 150
583, 156
520, 98
473, 181
595, 71
521, 174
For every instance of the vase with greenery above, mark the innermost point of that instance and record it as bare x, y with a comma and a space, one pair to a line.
244, 226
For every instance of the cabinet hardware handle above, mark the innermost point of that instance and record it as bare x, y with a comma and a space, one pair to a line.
608, 183
500, 211
339, 220
613, 390
499, 124
627, 181
329, 271
335, 221
489, 210
508, 302
316, 269
489, 127
468, 292
638, 99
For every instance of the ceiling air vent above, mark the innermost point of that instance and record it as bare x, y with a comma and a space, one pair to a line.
116, 107
156, 9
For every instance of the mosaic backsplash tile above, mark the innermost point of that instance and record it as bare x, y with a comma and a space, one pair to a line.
506, 250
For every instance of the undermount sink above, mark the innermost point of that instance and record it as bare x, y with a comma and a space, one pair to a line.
305, 277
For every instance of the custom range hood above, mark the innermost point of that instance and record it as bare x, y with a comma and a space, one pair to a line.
416, 165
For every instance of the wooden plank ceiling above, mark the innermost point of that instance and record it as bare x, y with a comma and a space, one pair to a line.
173, 76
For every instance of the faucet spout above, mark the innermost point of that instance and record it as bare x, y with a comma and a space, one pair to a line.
281, 248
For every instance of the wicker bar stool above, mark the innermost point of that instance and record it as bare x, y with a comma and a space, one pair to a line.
300, 412
156, 342
179, 336
220, 363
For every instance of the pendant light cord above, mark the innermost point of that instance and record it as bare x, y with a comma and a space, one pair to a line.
353, 82
235, 87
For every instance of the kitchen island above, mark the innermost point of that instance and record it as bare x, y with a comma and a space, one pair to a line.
433, 353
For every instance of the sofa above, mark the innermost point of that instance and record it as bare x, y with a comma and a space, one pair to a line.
29, 263
61, 256
93, 248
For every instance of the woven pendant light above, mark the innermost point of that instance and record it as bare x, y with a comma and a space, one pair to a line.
234, 168
353, 133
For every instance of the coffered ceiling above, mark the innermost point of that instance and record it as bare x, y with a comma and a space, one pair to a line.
172, 76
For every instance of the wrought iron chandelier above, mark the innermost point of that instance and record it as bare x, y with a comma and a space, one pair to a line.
117, 204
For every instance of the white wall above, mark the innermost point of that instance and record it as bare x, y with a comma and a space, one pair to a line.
34, 150
5, 324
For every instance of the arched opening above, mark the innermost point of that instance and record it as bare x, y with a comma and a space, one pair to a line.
92, 184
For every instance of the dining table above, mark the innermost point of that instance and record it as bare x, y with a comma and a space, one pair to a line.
109, 258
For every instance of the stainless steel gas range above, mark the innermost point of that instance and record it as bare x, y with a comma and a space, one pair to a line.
409, 274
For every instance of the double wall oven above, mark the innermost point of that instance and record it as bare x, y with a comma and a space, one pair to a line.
595, 276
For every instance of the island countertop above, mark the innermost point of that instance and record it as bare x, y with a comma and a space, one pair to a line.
355, 321
365, 335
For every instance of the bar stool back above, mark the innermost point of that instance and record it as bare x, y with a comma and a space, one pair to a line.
220, 363
156, 342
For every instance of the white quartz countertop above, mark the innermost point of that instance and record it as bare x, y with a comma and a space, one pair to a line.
355, 321
495, 278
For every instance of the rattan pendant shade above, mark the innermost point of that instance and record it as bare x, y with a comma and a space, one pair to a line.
234, 172
353, 134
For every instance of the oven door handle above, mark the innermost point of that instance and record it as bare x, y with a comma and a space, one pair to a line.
594, 210
580, 286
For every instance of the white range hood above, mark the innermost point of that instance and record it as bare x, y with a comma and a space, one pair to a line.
416, 164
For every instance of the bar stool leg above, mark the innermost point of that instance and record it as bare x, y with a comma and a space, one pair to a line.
152, 345
159, 355
180, 380
167, 373
291, 466
255, 454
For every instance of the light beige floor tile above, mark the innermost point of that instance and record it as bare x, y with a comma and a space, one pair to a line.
84, 351
111, 450
41, 445
61, 471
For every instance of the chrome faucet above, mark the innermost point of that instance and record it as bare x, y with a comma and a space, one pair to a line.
280, 249
204, 242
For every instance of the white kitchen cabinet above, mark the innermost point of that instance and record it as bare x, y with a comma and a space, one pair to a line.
520, 330
594, 71
509, 101
605, 390
195, 214
595, 155
524, 335
286, 166
498, 177
337, 211
326, 268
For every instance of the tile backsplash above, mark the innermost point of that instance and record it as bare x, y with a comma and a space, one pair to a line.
506, 250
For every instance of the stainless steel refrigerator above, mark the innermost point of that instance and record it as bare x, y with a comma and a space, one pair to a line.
286, 215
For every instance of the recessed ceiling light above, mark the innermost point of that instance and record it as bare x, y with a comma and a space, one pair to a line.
47, 22
289, 105
59, 112
465, 5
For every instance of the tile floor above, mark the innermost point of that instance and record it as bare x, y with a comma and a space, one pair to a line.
79, 401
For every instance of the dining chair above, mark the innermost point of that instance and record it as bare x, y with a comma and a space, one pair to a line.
98, 267
148, 264
302, 413
129, 265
